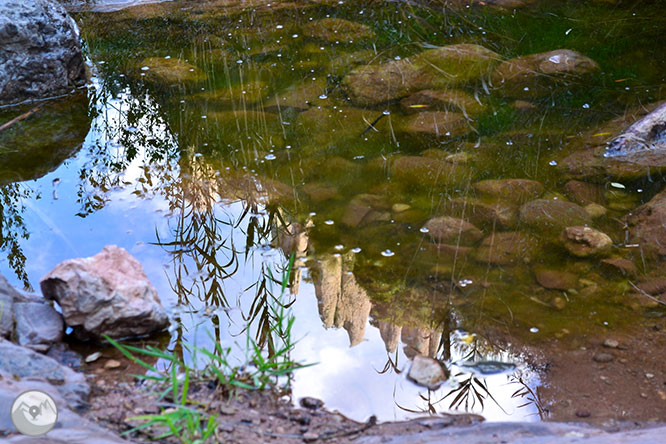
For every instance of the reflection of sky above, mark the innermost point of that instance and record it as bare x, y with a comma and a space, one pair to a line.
347, 379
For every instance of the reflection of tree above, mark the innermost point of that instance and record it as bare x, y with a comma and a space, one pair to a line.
12, 227
128, 129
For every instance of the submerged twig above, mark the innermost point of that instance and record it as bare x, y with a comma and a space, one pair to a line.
16, 119
645, 293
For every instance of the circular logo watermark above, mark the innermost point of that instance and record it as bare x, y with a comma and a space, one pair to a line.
34, 413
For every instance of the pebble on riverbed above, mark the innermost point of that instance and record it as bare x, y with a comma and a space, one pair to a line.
585, 241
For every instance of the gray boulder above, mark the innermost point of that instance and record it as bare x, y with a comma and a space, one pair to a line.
106, 294
22, 363
40, 53
70, 428
38, 325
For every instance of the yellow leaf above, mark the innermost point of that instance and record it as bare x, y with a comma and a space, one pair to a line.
600, 134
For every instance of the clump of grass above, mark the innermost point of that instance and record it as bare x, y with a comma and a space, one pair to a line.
180, 417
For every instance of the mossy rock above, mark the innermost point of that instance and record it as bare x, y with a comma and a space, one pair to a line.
439, 68
335, 30
169, 71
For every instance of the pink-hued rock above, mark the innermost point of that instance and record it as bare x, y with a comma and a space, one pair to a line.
108, 293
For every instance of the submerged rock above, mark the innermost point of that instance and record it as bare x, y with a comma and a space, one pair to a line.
512, 190
485, 212
507, 248
41, 51
300, 97
646, 137
363, 209
106, 294
540, 74
591, 162
432, 69
441, 100
619, 265
584, 193
647, 225
424, 171
586, 241
446, 229
337, 30
170, 71
553, 214
427, 372
555, 279
437, 123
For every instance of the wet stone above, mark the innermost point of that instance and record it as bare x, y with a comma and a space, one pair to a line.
507, 248
619, 265
553, 214
318, 192
647, 225
556, 280
427, 372
437, 124
512, 190
441, 100
495, 215
540, 74
337, 30
595, 211
584, 193
446, 229
363, 209
426, 172
169, 71
377, 83
581, 413
585, 241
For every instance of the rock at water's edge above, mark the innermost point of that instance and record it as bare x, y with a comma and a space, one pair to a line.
41, 51
107, 294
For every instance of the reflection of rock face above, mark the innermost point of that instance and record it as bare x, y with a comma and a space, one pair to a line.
36, 146
420, 342
390, 335
342, 301
293, 239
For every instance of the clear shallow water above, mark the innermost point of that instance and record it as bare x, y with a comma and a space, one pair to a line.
210, 185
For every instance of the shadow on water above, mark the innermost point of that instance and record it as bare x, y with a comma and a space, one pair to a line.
222, 143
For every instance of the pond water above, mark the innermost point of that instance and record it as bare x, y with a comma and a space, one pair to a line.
219, 140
